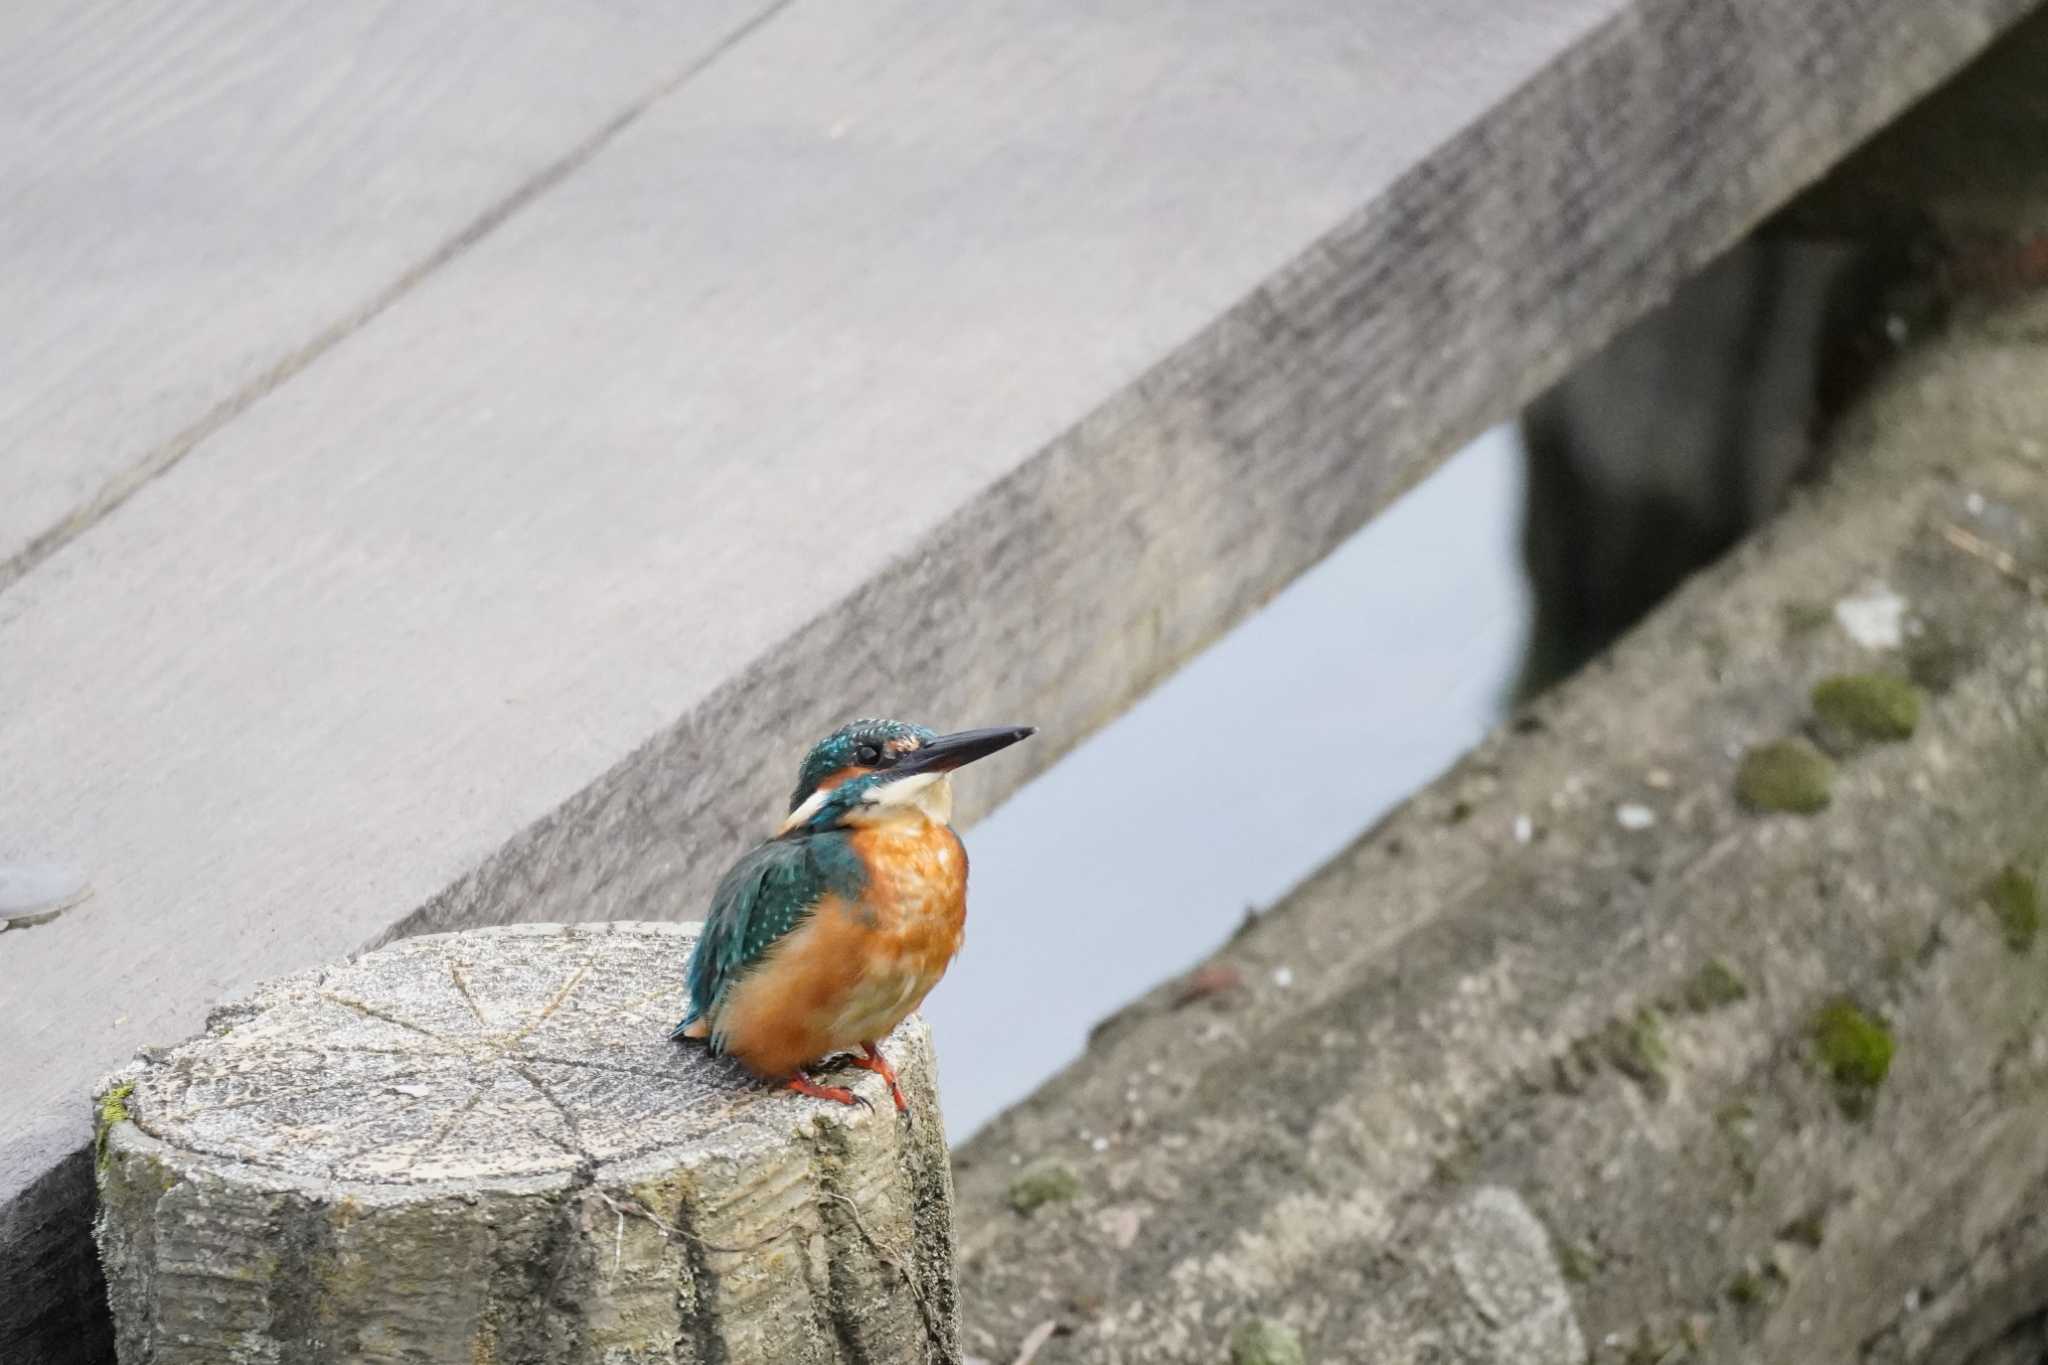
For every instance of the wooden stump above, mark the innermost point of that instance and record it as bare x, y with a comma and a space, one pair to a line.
483, 1147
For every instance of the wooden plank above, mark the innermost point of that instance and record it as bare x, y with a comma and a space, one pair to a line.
970, 363
204, 197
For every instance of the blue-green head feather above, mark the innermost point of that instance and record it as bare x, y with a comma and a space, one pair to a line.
859, 745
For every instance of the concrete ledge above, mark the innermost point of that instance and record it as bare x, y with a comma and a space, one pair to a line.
485, 1146
1698, 967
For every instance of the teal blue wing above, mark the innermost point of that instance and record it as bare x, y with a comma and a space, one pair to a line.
767, 893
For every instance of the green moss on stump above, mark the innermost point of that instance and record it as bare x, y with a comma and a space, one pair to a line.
113, 1109
1855, 1049
1263, 1341
1041, 1183
1785, 775
2016, 900
1868, 705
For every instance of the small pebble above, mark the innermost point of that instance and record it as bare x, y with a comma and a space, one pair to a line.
1100, 1144
1283, 977
1525, 829
1634, 817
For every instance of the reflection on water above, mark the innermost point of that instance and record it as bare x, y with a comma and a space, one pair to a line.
1142, 849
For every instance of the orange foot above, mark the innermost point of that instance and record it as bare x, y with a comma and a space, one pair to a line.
837, 1093
874, 1061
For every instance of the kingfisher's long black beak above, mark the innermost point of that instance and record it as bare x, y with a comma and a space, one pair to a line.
948, 752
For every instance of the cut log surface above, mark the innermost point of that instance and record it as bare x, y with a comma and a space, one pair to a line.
484, 1146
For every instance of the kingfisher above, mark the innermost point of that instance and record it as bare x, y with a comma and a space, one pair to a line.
827, 936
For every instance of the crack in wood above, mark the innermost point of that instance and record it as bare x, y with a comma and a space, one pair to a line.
632, 1208
455, 1121
568, 1115
462, 989
898, 1260
370, 1011
547, 1011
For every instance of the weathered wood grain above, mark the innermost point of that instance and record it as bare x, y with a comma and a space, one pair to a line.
968, 363
204, 198
484, 1146
1541, 1068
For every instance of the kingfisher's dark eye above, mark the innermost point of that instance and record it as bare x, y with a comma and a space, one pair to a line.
868, 756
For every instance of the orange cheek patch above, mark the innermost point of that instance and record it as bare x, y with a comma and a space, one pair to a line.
831, 780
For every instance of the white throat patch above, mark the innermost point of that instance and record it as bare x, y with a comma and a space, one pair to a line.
930, 794
926, 794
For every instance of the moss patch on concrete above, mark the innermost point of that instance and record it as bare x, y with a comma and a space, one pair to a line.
1754, 1286
1802, 617
1873, 706
1576, 1263
1263, 1341
2015, 898
1786, 775
1855, 1049
1041, 1183
1713, 986
1809, 1229
1636, 1048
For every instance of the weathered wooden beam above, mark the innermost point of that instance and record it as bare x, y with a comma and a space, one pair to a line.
1699, 1015
484, 1146
885, 362
207, 203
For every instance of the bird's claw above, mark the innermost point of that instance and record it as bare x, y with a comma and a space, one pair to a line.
873, 1060
835, 1093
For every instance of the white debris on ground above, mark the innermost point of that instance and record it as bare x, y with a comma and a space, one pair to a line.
1631, 816
1874, 618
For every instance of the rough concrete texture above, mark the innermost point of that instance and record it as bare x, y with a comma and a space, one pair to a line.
483, 1147
1551, 1065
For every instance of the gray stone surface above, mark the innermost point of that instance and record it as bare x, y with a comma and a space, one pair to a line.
965, 362
484, 1146
1510, 999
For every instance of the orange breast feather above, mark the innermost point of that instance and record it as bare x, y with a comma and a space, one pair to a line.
855, 969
